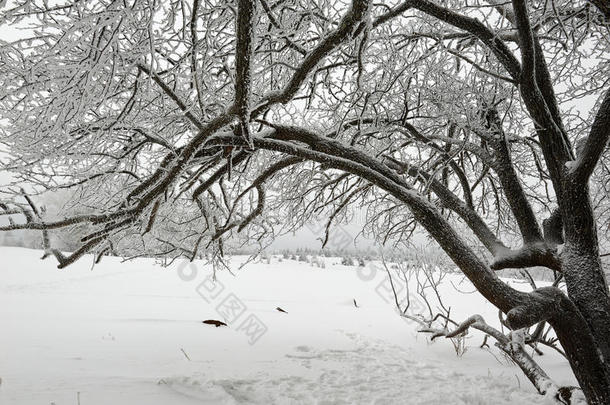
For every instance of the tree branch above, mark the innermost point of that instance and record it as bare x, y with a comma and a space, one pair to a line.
505, 169
246, 10
336, 155
538, 97
347, 25
454, 203
603, 6
594, 145
167, 90
531, 255
514, 349
477, 28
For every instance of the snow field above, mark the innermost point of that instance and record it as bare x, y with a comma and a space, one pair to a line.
131, 333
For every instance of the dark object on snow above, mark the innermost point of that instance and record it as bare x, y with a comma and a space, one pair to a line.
214, 322
564, 394
355, 304
281, 310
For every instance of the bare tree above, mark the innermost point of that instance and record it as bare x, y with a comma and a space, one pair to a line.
181, 126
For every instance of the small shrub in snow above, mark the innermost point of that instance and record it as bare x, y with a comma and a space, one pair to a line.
318, 262
264, 258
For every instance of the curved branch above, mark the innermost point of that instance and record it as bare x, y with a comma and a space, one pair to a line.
274, 22
260, 206
603, 8
453, 202
594, 145
348, 24
336, 212
336, 155
475, 27
167, 90
532, 255
514, 350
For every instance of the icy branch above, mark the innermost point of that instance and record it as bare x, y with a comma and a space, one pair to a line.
513, 348
246, 10
347, 25
532, 255
595, 144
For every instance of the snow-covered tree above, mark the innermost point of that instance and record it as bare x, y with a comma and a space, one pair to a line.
181, 126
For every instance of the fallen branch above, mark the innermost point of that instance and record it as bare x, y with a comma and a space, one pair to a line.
513, 346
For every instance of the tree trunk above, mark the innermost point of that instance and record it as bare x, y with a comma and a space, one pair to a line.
582, 351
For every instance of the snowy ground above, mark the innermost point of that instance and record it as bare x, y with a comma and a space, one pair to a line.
131, 333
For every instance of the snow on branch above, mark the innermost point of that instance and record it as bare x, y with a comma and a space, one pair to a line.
167, 90
246, 11
475, 27
347, 26
530, 255
594, 145
513, 346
